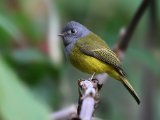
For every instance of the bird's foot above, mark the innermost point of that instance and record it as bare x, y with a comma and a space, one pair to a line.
92, 76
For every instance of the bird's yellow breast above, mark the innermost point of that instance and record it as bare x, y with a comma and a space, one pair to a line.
87, 63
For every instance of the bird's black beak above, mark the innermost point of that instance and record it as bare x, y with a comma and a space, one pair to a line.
61, 34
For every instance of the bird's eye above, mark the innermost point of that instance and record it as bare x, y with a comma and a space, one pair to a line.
73, 31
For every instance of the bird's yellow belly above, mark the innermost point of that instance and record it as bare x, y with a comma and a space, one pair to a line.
88, 64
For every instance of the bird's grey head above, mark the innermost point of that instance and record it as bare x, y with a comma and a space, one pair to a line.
72, 32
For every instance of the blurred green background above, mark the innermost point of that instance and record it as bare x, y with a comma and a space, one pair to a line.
37, 79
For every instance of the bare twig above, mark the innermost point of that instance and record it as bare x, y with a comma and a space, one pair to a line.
128, 32
89, 97
65, 114
87, 108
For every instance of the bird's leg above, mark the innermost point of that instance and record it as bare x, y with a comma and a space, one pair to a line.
92, 76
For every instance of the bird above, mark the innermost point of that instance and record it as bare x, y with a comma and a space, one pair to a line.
90, 54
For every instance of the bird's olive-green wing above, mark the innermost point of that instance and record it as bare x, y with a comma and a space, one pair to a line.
94, 46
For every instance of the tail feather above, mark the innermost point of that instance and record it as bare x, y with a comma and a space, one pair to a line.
130, 89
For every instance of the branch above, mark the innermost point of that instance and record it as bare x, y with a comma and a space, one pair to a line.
65, 114
87, 108
128, 32
89, 97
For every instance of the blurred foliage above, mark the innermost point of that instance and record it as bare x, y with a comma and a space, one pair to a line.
31, 80
17, 102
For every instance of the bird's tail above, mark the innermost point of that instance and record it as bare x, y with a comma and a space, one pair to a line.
130, 89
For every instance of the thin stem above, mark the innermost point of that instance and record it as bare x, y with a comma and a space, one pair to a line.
125, 39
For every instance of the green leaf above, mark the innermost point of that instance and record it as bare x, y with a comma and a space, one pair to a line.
16, 100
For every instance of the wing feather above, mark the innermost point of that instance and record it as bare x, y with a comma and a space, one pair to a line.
93, 46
